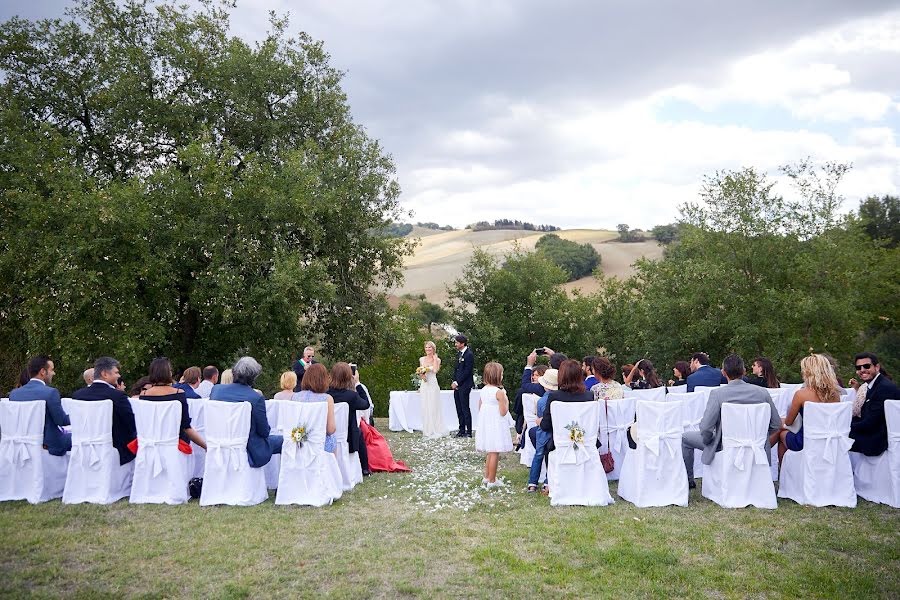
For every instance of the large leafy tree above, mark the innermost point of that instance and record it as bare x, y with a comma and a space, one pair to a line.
168, 188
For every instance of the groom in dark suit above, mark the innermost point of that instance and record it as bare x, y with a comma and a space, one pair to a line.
463, 383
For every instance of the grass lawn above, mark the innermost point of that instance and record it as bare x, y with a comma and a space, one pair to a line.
435, 532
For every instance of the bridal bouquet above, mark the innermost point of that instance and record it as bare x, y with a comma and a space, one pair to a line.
299, 434
576, 434
415, 380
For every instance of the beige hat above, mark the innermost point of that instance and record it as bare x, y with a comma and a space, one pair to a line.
548, 380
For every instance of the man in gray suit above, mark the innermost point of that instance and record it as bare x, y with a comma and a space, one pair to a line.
709, 438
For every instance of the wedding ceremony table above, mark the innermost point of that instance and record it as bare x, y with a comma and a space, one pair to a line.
405, 411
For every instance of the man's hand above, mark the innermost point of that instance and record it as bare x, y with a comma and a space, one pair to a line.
532, 358
453, 385
548, 351
854, 384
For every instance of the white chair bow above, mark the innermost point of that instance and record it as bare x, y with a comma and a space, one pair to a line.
303, 454
835, 443
618, 434
743, 444
90, 457
671, 439
148, 449
572, 453
234, 449
20, 454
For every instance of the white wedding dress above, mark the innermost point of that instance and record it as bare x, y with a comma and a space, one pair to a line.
432, 413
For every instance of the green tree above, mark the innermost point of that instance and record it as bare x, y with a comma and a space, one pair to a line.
665, 234
881, 219
169, 189
577, 260
629, 235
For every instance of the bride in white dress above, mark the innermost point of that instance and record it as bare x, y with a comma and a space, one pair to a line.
432, 412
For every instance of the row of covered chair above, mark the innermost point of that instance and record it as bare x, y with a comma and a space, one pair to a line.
653, 474
303, 474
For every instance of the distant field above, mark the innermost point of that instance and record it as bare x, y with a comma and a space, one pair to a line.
441, 256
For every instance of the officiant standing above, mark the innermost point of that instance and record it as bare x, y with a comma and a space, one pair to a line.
462, 385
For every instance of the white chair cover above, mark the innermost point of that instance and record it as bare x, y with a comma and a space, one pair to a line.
348, 462
228, 477
273, 467
529, 409
693, 405
576, 476
791, 388
677, 389
653, 474
620, 417
309, 475
161, 471
652, 395
781, 397
366, 414
94, 473
27, 471
877, 478
739, 475
197, 412
821, 474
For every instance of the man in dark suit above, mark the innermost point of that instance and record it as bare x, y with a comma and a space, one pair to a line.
304, 361
709, 438
260, 445
868, 427
41, 372
106, 375
702, 374
462, 385
529, 385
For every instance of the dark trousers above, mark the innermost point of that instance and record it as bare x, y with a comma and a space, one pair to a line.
463, 412
363, 453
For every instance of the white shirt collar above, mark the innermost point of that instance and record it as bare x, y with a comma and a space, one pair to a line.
873, 380
464, 348
104, 383
38, 380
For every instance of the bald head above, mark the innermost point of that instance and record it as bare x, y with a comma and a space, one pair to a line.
88, 376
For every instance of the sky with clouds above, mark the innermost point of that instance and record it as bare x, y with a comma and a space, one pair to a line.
585, 113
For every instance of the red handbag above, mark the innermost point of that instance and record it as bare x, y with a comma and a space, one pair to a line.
606, 459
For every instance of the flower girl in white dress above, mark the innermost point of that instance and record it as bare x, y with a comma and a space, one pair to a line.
430, 393
492, 432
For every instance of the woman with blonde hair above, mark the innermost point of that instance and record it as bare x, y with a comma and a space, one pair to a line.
430, 394
288, 383
227, 377
819, 385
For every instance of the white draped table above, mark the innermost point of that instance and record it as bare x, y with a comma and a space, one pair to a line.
405, 411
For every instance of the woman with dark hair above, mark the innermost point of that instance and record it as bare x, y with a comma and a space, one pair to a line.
648, 379
607, 388
763, 373
140, 386
680, 371
159, 380
314, 388
570, 389
343, 389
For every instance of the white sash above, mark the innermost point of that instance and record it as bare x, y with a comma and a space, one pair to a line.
835, 442
90, 457
743, 445
571, 456
20, 443
230, 448
655, 441
619, 435
149, 450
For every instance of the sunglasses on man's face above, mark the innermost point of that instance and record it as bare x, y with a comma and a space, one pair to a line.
865, 366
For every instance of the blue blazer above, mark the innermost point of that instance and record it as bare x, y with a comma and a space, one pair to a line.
705, 376
123, 427
189, 392
57, 441
258, 449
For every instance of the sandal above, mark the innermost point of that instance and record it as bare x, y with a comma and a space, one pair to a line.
532, 488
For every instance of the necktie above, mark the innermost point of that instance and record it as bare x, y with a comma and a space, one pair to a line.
860, 399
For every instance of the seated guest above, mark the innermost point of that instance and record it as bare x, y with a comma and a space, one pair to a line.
540, 438
555, 358
680, 371
210, 378
626, 371
226, 377
571, 389
529, 385
106, 374
190, 379
587, 367
260, 445
709, 438
41, 372
288, 383
314, 388
343, 389
763, 373
819, 385
646, 376
702, 374
161, 389
868, 427
140, 386
607, 388
88, 376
